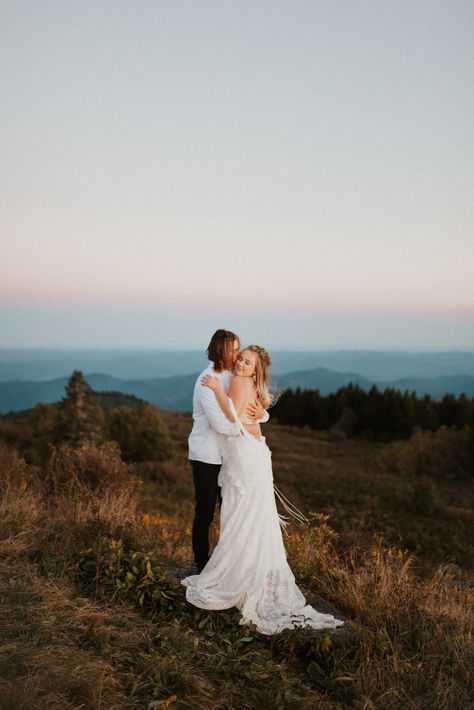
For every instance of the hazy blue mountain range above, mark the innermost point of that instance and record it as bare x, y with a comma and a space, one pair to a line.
47, 364
320, 378
175, 393
327, 381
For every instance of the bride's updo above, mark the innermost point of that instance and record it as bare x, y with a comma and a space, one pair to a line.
260, 376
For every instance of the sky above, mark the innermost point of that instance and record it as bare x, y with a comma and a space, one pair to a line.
298, 172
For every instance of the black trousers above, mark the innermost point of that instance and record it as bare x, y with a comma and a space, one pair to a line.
207, 494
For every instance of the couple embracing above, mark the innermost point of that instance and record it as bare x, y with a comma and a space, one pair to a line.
231, 463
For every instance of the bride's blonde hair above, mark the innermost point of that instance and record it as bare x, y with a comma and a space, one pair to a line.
261, 378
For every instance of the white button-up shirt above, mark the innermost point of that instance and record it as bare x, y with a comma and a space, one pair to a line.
210, 422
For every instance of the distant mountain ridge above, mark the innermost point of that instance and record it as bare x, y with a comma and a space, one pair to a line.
175, 393
375, 365
321, 378
327, 381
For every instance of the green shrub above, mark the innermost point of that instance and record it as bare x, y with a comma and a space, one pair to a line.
110, 569
140, 432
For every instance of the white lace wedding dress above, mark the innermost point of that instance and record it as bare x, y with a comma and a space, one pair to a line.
248, 567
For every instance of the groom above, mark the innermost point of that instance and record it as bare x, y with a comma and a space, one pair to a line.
209, 424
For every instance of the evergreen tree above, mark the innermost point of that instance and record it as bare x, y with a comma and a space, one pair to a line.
426, 413
347, 422
79, 418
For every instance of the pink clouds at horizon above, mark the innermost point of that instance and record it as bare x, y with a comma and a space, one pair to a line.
59, 299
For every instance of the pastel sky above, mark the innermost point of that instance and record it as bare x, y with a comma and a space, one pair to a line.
299, 171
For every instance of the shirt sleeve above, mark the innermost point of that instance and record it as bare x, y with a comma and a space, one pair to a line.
214, 413
264, 419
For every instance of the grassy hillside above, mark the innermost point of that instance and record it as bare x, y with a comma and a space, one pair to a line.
93, 617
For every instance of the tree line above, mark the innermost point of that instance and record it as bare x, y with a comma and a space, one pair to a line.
374, 414
84, 415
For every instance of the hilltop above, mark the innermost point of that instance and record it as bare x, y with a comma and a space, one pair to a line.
90, 548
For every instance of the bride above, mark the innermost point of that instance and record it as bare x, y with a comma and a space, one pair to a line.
248, 567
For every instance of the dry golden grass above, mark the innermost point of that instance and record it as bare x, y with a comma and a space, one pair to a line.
62, 649
420, 654
46, 658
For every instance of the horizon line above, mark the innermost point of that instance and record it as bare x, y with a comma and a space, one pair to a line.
106, 348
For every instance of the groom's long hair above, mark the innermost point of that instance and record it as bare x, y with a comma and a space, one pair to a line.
218, 349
